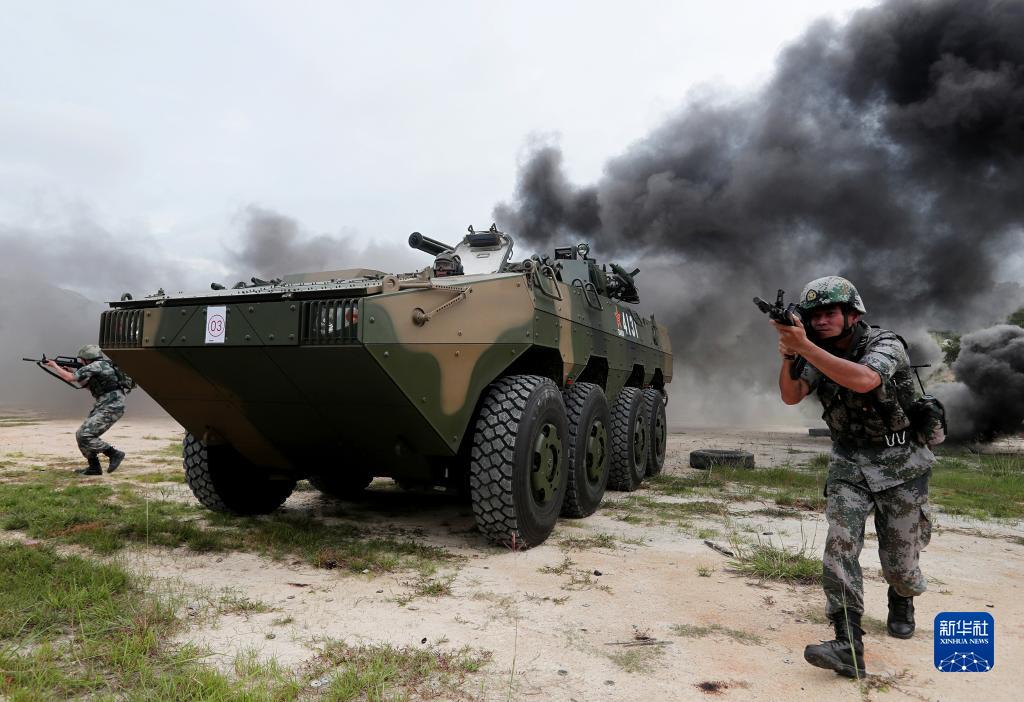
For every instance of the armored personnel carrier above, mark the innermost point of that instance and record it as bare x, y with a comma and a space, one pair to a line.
531, 386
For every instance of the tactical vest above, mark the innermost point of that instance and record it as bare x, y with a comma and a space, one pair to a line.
870, 418
105, 381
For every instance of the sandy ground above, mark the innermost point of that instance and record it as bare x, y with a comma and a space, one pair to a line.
554, 641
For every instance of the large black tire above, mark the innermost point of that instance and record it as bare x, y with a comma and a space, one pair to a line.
342, 484
222, 480
589, 448
705, 459
630, 441
518, 468
654, 405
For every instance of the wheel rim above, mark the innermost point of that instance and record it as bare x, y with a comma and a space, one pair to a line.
660, 434
597, 451
639, 440
546, 464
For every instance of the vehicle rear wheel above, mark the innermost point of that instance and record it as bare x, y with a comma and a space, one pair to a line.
518, 465
224, 481
630, 441
654, 401
589, 449
342, 484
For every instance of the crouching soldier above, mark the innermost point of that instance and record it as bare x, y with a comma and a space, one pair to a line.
879, 463
98, 374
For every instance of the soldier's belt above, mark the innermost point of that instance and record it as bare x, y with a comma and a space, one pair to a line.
896, 438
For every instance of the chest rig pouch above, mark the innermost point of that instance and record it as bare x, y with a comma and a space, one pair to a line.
877, 418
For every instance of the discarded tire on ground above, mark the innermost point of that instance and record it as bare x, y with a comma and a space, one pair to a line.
654, 401
518, 467
589, 449
630, 441
709, 458
222, 480
344, 485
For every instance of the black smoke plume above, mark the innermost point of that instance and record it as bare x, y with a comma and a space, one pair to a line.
889, 150
988, 400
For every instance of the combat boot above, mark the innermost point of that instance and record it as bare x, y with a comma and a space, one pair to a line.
93, 468
845, 653
901, 615
115, 458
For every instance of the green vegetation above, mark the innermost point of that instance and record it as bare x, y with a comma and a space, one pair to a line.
383, 672
426, 586
768, 562
979, 486
582, 543
106, 519
176, 476
787, 485
699, 632
636, 659
72, 628
1016, 318
579, 579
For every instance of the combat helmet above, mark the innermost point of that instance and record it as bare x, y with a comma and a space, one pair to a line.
830, 290
90, 352
447, 263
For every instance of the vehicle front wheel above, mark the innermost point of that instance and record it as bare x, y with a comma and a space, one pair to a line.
518, 463
224, 481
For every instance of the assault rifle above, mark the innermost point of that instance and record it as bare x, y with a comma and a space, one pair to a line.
67, 362
783, 314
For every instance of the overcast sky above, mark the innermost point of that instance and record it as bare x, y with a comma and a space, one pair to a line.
162, 121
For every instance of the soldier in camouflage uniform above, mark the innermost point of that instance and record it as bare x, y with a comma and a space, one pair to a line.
862, 377
97, 374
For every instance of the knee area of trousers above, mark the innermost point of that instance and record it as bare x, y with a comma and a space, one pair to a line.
907, 587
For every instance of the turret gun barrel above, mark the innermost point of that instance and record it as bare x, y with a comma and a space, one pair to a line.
428, 245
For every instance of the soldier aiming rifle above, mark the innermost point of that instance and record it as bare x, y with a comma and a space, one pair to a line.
881, 461
108, 385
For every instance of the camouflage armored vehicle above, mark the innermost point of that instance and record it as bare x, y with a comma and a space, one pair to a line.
530, 385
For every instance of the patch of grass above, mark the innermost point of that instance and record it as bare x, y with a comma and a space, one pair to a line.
582, 543
814, 502
979, 486
561, 569
72, 628
819, 462
799, 487
705, 571
161, 477
636, 659
174, 449
652, 509
426, 586
694, 631
707, 533
579, 579
384, 672
106, 519
232, 601
282, 621
768, 562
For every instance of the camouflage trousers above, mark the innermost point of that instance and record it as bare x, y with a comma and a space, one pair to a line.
103, 415
903, 525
